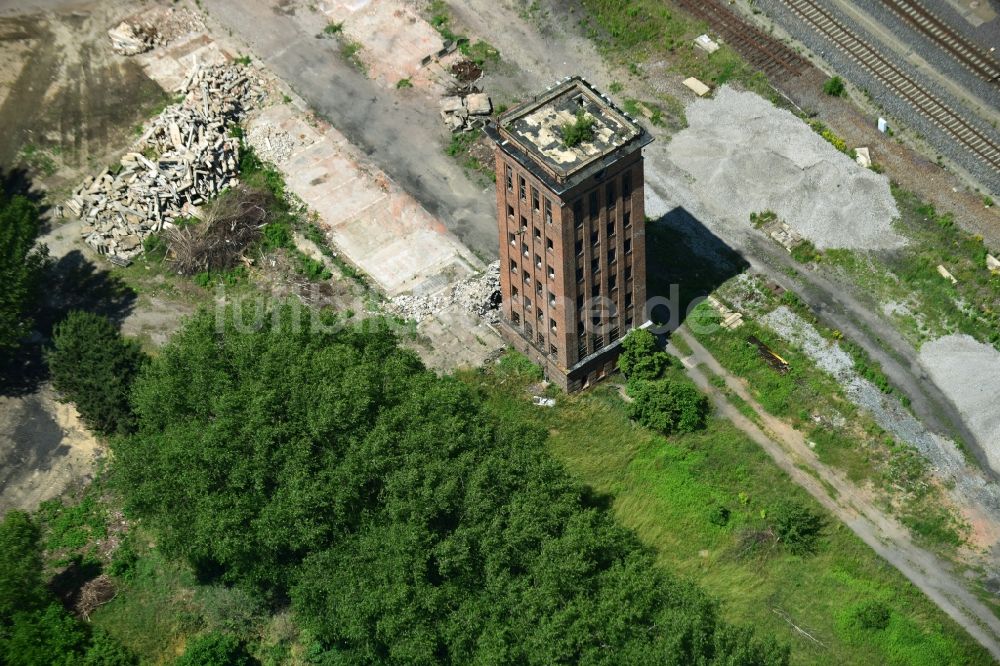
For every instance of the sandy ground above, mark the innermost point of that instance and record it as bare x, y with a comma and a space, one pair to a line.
764, 158
44, 450
969, 372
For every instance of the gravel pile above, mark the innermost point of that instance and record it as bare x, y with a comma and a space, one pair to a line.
764, 158
893, 105
968, 371
479, 294
272, 144
945, 458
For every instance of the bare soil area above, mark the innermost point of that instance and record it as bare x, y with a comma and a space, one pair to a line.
73, 102
45, 450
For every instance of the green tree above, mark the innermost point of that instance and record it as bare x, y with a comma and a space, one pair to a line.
667, 405
94, 366
46, 637
215, 649
21, 584
640, 357
578, 131
406, 522
21, 266
35, 630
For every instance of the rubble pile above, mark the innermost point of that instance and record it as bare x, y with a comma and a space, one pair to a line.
272, 144
185, 158
132, 38
479, 294
156, 27
465, 112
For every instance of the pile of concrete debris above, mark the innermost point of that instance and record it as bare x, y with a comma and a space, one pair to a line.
479, 294
155, 27
465, 112
271, 143
185, 158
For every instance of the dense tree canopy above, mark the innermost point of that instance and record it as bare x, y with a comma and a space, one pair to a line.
406, 523
21, 264
94, 366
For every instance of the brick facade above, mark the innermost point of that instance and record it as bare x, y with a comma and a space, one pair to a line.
572, 261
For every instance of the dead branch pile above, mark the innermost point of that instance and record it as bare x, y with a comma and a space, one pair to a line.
230, 225
94, 593
185, 158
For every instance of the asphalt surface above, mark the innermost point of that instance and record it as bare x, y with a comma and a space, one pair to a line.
403, 134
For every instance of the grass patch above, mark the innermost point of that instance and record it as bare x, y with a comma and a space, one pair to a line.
694, 498
905, 283
636, 31
351, 52
482, 53
37, 159
155, 610
333, 28
404, 83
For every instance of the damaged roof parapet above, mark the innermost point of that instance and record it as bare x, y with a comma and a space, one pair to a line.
533, 130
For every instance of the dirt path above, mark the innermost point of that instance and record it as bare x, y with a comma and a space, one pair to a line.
848, 502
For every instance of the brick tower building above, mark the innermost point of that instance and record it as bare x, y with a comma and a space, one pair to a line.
572, 231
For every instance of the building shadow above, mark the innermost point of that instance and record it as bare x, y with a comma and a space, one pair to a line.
685, 262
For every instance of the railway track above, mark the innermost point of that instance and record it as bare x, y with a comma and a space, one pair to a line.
958, 47
897, 81
762, 51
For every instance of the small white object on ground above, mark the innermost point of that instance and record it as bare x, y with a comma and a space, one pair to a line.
863, 157
696, 86
706, 43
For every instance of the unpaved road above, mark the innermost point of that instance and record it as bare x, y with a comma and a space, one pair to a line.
852, 505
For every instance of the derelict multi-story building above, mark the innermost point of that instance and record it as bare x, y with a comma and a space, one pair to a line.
572, 231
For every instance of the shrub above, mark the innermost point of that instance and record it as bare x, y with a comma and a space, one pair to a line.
871, 615
834, 86
124, 560
578, 131
640, 358
93, 366
719, 515
796, 526
805, 252
667, 405
215, 649
277, 235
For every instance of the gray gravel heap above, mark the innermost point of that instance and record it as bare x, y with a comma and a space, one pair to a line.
968, 371
745, 155
944, 456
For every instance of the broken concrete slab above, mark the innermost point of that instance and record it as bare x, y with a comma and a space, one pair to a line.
478, 104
